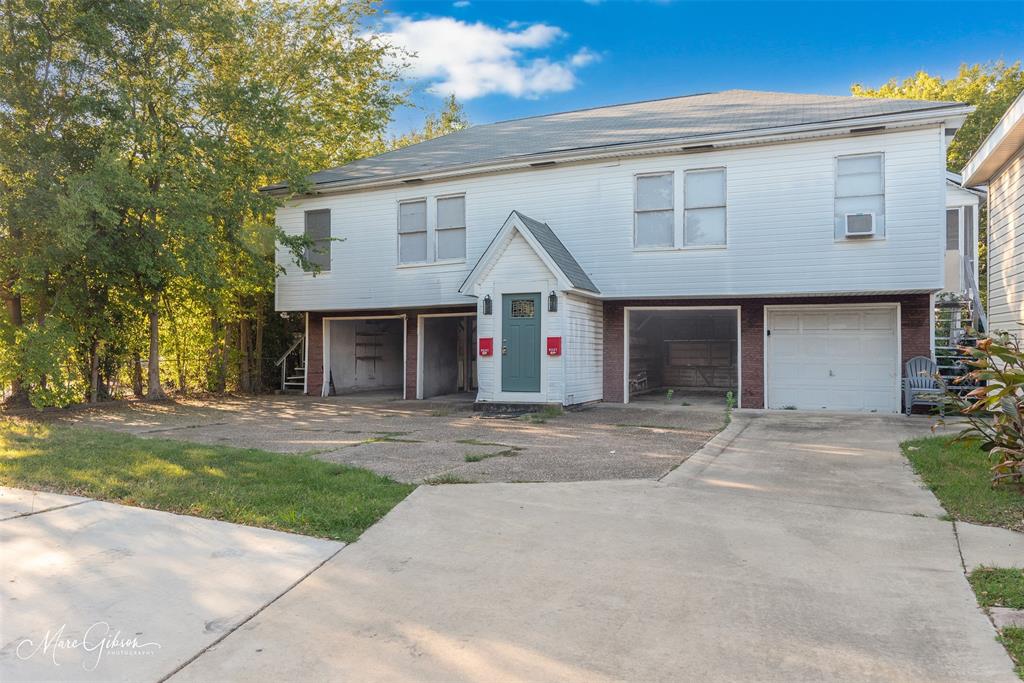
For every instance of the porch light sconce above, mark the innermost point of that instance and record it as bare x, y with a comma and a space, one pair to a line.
552, 302
487, 305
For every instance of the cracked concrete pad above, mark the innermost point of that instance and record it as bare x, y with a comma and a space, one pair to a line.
780, 552
840, 460
612, 581
1004, 617
175, 583
600, 442
17, 502
990, 546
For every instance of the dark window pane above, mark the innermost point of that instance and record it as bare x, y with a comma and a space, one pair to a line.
318, 229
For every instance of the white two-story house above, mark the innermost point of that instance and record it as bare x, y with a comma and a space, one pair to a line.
784, 247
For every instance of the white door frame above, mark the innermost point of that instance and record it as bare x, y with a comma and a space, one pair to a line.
739, 342
326, 333
419, 342
883, 304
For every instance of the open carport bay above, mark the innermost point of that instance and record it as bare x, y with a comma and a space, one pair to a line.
683, 349
365, 354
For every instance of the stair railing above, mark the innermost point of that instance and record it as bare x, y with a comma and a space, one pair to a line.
282, 362
978, 318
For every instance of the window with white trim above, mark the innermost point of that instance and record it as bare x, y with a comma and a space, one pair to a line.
451, 228
317, 228
412, 231
704, 212
654, 211
860, 196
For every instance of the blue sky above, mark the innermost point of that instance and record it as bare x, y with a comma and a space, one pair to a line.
512, 59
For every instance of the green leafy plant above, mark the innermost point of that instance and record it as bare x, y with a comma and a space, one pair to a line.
730, 403
995, 409
668, 394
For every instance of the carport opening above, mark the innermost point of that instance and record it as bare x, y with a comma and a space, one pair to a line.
366, 355
449, 356
695, 353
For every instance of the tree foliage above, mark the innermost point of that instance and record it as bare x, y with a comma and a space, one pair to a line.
450, 119
991, 88
134, 137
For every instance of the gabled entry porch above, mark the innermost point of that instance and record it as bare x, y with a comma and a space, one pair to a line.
539, 320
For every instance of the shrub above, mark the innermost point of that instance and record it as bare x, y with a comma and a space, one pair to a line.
995, 410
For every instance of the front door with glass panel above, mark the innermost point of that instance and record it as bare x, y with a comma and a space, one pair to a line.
520, 343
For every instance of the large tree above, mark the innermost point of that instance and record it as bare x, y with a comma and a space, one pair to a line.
989, 87
133, 138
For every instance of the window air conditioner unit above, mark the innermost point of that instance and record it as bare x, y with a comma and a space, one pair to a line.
859, 224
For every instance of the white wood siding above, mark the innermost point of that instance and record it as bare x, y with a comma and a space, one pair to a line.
780, 228
1006, 247
582, 349
518, 270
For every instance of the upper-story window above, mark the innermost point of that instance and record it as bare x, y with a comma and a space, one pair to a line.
860, 196
654, 214
432, 230
318, 229
704, 220
412, 231
451, 228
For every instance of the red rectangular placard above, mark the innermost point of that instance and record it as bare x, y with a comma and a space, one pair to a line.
554, 346
486, 346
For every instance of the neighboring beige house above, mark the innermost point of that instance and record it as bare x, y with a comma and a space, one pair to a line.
999, 163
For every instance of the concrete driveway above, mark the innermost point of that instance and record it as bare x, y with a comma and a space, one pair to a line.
93, 591
795, 547
413, 441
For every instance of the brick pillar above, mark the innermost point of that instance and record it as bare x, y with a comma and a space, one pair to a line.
916, 331
752, 347
315, 355
614, 336
411, 350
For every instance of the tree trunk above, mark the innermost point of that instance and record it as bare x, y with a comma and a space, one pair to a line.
136, 375
179, 357
218, 371
14, 312
258, 355
155, 391
94, 372
244, 362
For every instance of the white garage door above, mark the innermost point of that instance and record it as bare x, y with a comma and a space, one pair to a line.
833, 358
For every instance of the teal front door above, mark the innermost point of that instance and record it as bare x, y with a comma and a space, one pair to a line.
520, 342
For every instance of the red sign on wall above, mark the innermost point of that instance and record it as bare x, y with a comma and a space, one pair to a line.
486, 346
554, 346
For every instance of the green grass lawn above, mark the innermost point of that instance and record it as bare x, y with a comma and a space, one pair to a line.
1003, 588
1013, 640
248, 486
958, 474
998, 587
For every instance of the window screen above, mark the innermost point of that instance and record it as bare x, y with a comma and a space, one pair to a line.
412, 232
704, 220
318, 229
653, 211
952, 229
860, 189
451, 228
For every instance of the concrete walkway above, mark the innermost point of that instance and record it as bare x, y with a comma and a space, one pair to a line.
792, 548
76, 569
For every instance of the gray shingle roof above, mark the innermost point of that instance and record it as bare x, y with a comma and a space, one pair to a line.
558, 253
676, 118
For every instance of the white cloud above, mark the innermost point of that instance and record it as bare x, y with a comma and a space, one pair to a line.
584, 57
476, 59
460, 3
